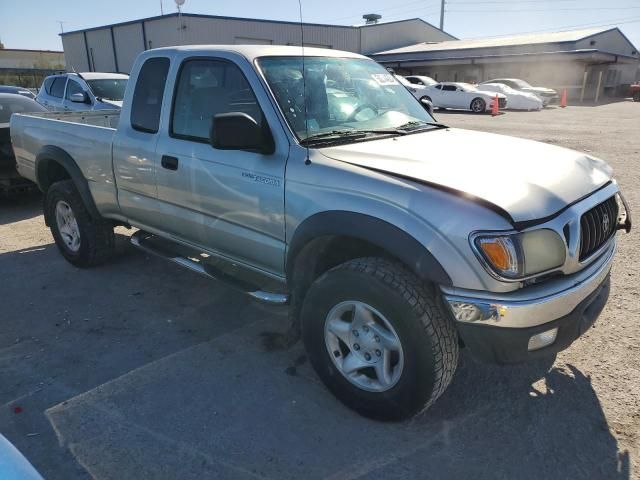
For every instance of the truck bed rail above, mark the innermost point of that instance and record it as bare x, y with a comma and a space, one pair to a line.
101, 118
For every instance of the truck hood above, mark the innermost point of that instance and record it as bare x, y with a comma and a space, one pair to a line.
526, 179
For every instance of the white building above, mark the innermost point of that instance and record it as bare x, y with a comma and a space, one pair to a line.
27, 68
578, 60
113, 48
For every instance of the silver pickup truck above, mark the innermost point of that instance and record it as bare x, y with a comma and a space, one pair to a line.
318, 181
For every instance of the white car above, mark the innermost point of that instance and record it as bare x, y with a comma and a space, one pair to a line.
421, 80
515, 100
463, 96
418, 91
548, 95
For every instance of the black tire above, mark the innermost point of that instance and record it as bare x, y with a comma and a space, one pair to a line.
96, 236
636, 97
478, 105
428, 336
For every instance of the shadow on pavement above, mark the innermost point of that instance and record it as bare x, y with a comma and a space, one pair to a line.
230, 409
525, 421
20, 207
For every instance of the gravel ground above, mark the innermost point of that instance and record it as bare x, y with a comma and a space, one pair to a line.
139, 369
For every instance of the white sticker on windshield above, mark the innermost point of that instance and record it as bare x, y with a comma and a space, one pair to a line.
384, 79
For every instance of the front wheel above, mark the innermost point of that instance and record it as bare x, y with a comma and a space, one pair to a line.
378, 338
636, 97
478, 105
83, 240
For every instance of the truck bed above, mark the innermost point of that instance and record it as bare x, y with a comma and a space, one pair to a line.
85, 136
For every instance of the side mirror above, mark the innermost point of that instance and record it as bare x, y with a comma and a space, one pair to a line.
239, 131
428, 106
79, 97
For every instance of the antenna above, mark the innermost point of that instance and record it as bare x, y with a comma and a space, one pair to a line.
179, 4
161, 8
304, 83
61, 22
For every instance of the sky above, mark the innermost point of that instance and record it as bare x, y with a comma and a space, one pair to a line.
34, 24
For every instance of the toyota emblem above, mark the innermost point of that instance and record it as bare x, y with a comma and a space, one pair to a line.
605, 222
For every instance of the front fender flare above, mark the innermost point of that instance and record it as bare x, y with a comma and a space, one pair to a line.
380, 233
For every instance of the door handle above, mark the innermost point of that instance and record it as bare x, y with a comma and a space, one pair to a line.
170, 163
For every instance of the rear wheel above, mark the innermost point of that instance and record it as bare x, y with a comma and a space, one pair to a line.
378, 338
84, 241
478, 105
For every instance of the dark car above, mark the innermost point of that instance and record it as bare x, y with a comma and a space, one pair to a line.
25, 92
11, 103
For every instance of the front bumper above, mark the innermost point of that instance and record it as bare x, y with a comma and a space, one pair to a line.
499, 329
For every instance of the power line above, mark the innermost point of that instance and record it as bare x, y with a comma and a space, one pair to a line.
510, 2
570, 27
519, 10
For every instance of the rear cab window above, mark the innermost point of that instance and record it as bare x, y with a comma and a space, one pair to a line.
147, 96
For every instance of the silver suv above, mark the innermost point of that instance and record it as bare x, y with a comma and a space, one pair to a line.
83, 91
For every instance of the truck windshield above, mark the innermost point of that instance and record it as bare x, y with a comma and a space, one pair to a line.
348, 95
109, 89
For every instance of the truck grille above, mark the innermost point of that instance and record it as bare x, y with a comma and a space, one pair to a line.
597, 226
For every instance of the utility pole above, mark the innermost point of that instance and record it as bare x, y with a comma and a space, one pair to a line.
442, 14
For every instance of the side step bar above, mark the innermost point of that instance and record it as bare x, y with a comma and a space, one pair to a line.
144, 241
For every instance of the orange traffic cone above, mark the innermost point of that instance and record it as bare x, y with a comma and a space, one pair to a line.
495, 107
563, 99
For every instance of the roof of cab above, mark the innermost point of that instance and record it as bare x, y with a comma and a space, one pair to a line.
102, 75
251, 52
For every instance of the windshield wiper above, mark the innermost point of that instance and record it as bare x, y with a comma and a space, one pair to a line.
404, 129
415, 125
407, 128
334, 135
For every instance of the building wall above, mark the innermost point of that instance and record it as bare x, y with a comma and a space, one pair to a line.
27, 68
31, 59
75, 53
557, 74
192, 30
387, 36
101, 50
129, 43
611, 41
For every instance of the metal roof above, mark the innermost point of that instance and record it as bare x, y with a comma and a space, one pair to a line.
510, 41
220, 17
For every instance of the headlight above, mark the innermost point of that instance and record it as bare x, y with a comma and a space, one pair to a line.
521, 255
